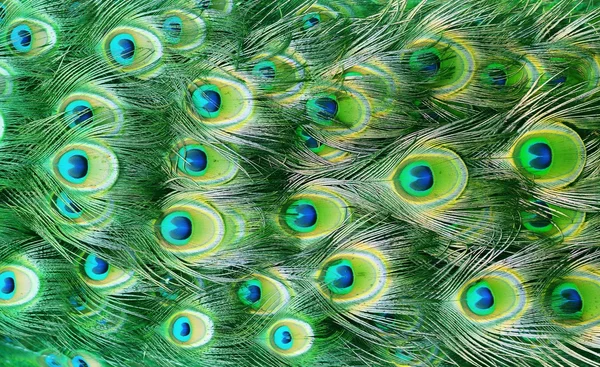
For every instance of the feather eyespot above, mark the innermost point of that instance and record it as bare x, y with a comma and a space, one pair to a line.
18, 285
100, 274
289, 337
189, 329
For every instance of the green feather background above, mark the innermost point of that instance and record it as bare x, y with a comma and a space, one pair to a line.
299, 183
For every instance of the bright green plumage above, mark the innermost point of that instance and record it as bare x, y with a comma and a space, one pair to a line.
299, 183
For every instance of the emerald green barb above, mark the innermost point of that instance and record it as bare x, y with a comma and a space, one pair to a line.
243, 183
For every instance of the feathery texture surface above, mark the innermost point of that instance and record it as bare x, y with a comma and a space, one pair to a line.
299, 183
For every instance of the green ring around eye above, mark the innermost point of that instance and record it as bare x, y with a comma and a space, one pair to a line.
417, 179
302, 216
282, 338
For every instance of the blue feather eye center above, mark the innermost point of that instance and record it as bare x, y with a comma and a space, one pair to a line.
250, 292
538, 222
194, 160
536, 156
323, 110
496, 75
173, 27
51, 361
311, 20
122, 49
8, 285
182, 329
480, 298
207, 100
79, 361
96, 268
264, 70
176, 228
301, 216
567, 300
282, 338
66, 207
339, 277
21, 38
73, 166
310, 142
78, 112
417, 179
426, 61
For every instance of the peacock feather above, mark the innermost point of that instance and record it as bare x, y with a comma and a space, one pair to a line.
209, 183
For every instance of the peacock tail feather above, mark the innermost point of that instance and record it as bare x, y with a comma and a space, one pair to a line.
213, 183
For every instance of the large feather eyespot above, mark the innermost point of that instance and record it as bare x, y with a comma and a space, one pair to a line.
189, 329
19, 285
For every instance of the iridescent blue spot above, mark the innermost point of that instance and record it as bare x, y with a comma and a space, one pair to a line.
21, 38
8, 286
345, 277
101, 266
423, 178
267, 72
311, 20
173, 27
213, 101
52, 361
96, 268
254, 293
572, 301
66, 207
84, 113
122, 49
486, 299
429, 63
498, 76
203, 4
559, 79
283, 338
195, 160
307, 215
328, 108
182, 228
79, 361
311, 142
185, 329
182, 329
543, 154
